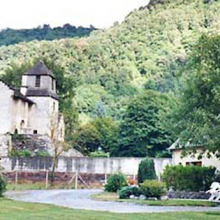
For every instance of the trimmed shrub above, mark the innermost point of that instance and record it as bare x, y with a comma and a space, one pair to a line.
115, 182
127, 191
146, 170
189, 178
152, 188
2, 186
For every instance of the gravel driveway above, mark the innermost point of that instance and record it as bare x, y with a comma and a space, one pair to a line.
80, 199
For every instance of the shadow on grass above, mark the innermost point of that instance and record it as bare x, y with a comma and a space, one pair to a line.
213, 213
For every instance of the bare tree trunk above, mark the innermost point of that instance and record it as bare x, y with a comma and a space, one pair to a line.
53, 171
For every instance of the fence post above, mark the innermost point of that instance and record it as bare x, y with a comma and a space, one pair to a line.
76, 180
16, 180
106, 178
47, 177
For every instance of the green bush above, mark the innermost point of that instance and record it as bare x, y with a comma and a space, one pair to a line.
189, 178
146, 170
127, 191
21, 153
152, 188
98, 154
115, 182
2, 186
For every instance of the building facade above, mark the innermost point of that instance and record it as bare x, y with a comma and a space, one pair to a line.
193, 156
34, 108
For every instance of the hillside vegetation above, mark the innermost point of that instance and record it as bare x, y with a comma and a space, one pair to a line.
10, 36
113, 69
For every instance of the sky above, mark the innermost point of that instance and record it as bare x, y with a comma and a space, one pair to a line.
32, 13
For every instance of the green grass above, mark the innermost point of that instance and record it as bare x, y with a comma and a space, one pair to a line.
172, 202
10, 210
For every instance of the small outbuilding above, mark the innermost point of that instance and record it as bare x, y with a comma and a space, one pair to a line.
191, 155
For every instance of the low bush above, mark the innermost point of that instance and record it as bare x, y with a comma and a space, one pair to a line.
21, 153
2, 185
115, 182
189, 178
152, 188
127, 191
146, 170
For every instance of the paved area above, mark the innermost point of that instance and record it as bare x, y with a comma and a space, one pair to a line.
80, 199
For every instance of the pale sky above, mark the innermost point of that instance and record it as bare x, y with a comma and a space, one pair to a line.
32, 13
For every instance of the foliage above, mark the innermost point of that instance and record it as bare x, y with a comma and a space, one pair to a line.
86, 139
151, 44
108, 131
115, 182
11, 36
21, 153
2, 185
152, 188
127, 191
140, 132
106, 70
195, 117
99, 154
189, 178
146, 170
97, 135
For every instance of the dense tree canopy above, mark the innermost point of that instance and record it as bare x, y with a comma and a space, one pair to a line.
196, 116
117, 85
141, 133
10, 36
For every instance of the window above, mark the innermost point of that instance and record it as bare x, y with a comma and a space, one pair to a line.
52, 84
197, 163
37, 83
35, 132
54, 106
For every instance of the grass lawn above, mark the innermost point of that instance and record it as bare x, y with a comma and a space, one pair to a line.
172, 202
10, 210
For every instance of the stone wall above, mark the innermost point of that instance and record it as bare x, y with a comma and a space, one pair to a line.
5, 109
5, 145
127, 166
187, 195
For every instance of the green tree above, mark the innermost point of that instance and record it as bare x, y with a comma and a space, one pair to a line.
86, 139
108, 131
196, 116
141, 133
146, 170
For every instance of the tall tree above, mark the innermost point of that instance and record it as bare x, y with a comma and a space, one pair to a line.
196, 116
141, 133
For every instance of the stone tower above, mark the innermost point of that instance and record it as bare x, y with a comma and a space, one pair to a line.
39, 85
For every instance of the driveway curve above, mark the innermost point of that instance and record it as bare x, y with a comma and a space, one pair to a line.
81, 199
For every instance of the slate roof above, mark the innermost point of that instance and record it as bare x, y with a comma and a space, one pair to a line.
40, 69
39, 92
176, 145
18, 95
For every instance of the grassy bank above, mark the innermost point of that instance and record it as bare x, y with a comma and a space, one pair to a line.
172, 202
10, 210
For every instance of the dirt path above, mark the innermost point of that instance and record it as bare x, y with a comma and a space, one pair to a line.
80, 199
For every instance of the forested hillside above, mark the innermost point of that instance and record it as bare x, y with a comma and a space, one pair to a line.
114, 69
11, 36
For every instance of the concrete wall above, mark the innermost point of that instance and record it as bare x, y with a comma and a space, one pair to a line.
128, 166
192, 158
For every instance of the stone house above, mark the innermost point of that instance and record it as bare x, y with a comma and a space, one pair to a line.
32, 109
192, 156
